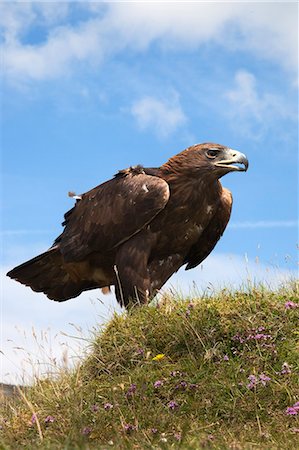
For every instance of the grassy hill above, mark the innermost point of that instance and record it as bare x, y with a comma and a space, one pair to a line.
217, 372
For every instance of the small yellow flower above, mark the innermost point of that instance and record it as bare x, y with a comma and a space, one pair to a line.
158, 357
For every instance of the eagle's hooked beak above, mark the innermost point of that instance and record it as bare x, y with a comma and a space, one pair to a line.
233, 160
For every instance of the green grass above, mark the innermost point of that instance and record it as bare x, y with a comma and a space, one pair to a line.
203, 398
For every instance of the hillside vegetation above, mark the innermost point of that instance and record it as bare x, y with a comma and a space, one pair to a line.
220, 371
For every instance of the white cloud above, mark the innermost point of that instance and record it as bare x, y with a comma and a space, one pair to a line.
251, 110
268, 30
163, 116
18, 17
14, 19
55, 57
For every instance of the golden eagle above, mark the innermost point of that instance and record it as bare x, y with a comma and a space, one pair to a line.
135, 230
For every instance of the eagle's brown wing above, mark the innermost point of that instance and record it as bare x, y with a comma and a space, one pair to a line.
212, 233
111, 213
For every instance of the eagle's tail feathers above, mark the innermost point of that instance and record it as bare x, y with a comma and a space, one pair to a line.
46, 273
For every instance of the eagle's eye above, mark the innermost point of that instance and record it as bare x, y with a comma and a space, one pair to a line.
212, 153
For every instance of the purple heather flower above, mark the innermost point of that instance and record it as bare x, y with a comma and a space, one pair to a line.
264, 379
252, 381
108, 406
178, 436
172, 405
182, 385
175, 373
49, 419
128, 427
158, 383
253, 335
260, 336
237, 337
291, 411
140, 351
225, 358
193, 386
285, 369
94, 408
131, 390
154, 430
33, 418
291, 305
86, 431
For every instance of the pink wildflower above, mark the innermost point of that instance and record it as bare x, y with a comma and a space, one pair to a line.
131, 390
264, 379
175, 373
128, 427
252, 381
158, 384
291, 305
285, 369
108, 406
255, 380
49, 419
178, 436
293, 410
182, 385
172, 405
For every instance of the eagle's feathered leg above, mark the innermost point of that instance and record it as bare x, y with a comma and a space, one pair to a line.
132, 282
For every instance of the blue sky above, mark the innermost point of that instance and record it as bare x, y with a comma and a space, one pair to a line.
91, 88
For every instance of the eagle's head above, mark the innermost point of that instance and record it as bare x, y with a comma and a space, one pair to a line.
221, 159
208, 159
